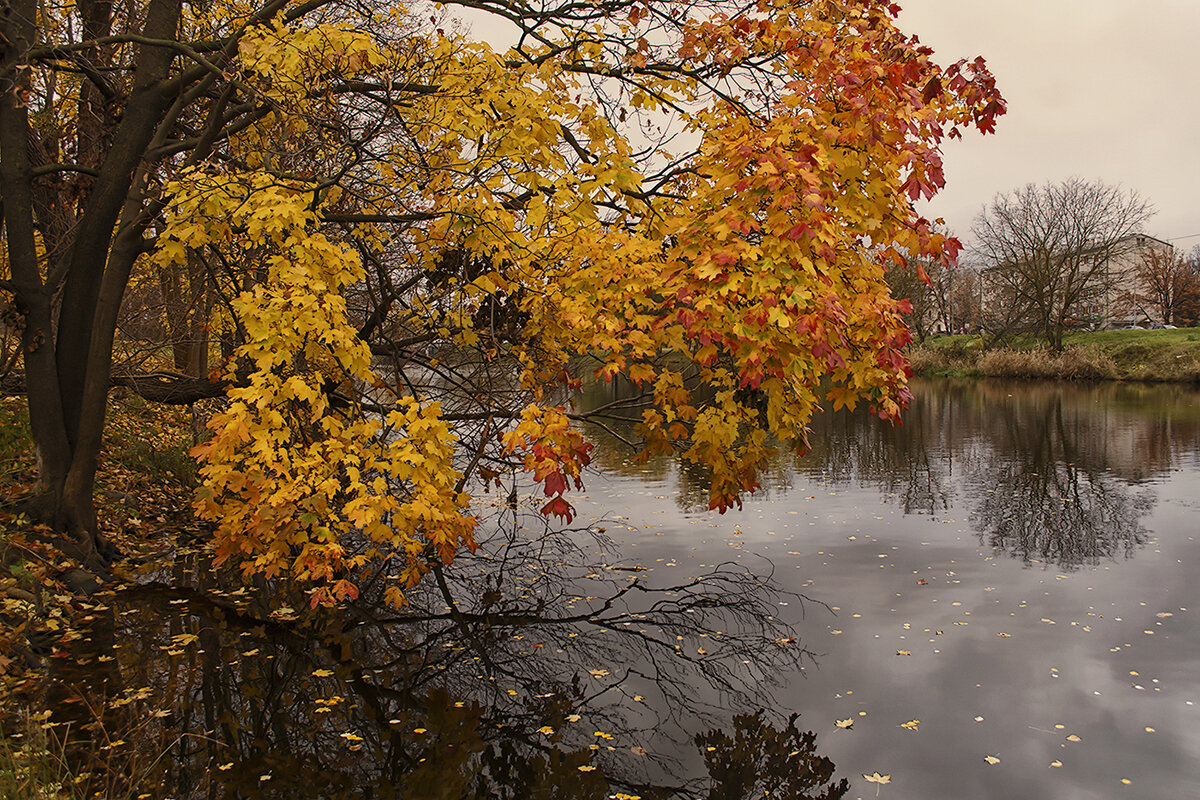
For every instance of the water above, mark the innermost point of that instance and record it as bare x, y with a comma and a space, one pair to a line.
999, 596
1014, 568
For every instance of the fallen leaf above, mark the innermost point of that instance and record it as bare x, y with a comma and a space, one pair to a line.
844, 723
1073, 738
903, 653
991, 759
586, 768
875, 777
911, 724
1056, 763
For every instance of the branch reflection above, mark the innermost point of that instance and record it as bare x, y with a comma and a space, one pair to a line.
538, 667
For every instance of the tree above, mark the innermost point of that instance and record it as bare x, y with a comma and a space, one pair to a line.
1046, 249
938, 289
1186, 292
1161, 277
362, 186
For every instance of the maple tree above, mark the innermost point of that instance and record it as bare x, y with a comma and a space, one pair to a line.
420, 243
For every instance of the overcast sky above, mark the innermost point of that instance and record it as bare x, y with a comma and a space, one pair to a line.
1101, 89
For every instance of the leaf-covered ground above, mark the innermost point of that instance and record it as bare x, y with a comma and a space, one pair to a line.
143, 497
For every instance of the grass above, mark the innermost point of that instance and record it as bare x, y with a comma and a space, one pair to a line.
1159, 355
33, 766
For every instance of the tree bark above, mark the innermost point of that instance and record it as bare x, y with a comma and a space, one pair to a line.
67, 370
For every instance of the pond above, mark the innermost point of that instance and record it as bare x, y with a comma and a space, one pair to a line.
993, 600
1010, 575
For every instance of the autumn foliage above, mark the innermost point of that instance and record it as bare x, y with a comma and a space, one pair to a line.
425, 242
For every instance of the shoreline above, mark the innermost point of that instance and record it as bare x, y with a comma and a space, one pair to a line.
1158, 356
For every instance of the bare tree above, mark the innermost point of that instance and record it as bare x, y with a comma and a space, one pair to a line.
1047, 249
1160, 276
928, 284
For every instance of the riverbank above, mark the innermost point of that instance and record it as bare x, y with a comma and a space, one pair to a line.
1171, 356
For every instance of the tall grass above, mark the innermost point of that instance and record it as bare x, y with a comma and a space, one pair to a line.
1074, 363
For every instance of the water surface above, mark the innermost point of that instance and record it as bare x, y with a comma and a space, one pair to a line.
994, 600
1014, 567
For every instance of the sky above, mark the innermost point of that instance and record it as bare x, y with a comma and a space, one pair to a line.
1104, 90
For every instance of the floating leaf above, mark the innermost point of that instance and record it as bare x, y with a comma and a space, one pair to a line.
903, 653
875, 777
1073, 738
991, 759
911, 724
845, 723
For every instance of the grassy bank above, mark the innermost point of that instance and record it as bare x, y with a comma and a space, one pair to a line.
1162, 355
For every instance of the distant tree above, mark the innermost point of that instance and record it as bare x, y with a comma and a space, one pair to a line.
1161, 280
964, 312
928, 283
1045, 249
913, 282
1187, 291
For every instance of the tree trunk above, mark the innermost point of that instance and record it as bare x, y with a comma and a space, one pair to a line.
67, 370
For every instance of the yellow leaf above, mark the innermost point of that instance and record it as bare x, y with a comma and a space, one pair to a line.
844, 723
991, 759
875, 777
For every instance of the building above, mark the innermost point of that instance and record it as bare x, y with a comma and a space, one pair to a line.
1119, 299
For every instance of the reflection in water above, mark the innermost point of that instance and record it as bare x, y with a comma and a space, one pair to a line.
536, 668
545, 666
1050, 471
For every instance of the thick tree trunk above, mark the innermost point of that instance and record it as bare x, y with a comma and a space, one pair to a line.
67, 370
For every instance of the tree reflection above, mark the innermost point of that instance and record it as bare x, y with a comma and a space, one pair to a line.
1045, 494
538, 667
1047, 470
